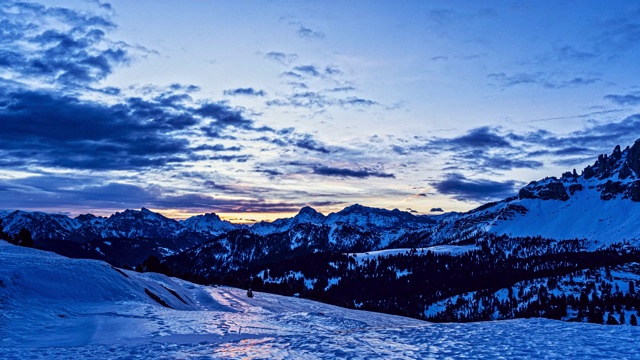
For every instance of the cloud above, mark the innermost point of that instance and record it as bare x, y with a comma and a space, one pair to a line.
478, 138
88, 194
308, 70
343, 172
627, 99
619, 34
42, 128
317, 100
436, 210
570, 53
283, 58
76, 51
308, 33
223, 116
343, 89
474, 190
245, 91
269, 172
356, 101
539, 78
309, 143
217, 148
332, 70
480, 160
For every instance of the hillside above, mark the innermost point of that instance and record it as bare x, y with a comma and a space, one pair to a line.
60, 308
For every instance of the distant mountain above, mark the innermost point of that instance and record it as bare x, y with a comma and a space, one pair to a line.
124, 238
127, 224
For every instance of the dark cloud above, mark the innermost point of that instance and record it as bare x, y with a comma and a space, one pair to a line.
32, 47
88, 194
539, 78
184, 88
478, 138
355, 101
223, 116
627, 99
217, 148
245, 91
474, 190
309, 33
601, 137
308, 70
41, 128
342, 172
309, 143
269, 172
436, 210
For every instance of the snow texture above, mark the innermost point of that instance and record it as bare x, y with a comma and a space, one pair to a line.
59, 308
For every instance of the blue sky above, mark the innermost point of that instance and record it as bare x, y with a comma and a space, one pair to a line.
253, 109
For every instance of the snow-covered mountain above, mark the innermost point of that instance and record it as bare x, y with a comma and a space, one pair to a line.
127, 224
602, 204
209, 224
59, 308
44, 225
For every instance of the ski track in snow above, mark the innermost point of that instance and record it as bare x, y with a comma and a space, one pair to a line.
59, 308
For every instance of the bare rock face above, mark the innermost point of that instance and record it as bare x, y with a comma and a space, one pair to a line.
633, 192
611, 189
573, 188
633, 157
545, 191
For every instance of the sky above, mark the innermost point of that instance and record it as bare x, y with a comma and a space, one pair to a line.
254, 109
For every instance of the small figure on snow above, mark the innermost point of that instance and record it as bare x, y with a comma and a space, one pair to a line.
249, 293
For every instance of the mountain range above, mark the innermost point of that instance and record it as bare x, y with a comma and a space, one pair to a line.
573, 217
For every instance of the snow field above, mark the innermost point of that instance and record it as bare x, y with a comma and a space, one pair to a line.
59, 308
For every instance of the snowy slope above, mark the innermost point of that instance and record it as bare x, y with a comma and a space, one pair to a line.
58, 308
583, 216
602, 204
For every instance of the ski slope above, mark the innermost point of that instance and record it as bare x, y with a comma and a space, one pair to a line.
59, 308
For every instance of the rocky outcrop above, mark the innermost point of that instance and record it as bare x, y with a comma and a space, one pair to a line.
633, 157
546, 191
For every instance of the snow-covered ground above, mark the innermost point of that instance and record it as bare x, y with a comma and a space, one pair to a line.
59, 308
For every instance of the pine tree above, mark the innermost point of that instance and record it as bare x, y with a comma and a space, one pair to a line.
633, 320
611, 320
4, 235
23, 238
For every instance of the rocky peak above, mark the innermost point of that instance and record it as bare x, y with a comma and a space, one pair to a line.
548, 189
308, 213
633, 157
